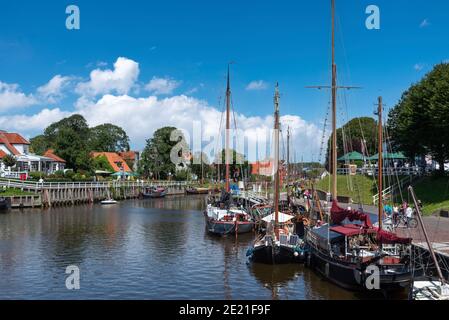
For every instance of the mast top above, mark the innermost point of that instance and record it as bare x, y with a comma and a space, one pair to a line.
276, 98
228, 84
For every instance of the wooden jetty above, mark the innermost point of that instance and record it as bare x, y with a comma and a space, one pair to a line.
49, 194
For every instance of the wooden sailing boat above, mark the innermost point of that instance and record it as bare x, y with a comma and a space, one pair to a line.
351, 249
222, 217
279, 244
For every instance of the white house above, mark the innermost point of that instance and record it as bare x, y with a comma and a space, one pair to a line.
19, 147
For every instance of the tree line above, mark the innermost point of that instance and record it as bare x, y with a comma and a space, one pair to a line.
73, 140
418, 125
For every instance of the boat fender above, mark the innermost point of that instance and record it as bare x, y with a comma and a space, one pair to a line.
358, 276
296, 253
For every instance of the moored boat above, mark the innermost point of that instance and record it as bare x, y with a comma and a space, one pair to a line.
154, 192
5, 204
353, 254
222, 216
108, 202
279, 244
193, 190
349, 250
227, 221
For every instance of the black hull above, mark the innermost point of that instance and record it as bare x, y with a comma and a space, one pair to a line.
352, 277
5, 205
276, 255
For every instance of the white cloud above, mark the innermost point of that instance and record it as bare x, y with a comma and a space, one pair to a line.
145, 115
52, 91
120, 80
31, 124
11, 97
418, 66
162, 85
424, 23
140, 117
257, 85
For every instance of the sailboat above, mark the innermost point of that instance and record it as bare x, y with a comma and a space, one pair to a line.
279, 244
221, 215
349, 250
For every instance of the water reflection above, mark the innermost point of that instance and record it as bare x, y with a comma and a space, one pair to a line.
140, 249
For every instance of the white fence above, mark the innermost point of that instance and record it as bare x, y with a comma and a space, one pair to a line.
13, 183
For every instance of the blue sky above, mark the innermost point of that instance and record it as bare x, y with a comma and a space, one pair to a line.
190, 42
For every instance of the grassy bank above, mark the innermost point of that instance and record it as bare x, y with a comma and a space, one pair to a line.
434, 193
359, 188
11, 192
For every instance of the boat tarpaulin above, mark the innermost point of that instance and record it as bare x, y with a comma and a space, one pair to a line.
386, 237
349, 230
338, 215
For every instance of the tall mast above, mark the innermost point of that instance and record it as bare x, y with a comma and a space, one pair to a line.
228, 127
276, 160
334, 109
288, 165
380, 164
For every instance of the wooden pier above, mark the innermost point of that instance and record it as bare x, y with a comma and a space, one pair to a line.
49, 194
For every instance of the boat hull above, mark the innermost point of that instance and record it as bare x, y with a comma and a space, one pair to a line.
154, 194
352, 277
5, 205
196, 191
227, 227
269, 254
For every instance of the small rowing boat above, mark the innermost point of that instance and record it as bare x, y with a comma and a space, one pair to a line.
108, 201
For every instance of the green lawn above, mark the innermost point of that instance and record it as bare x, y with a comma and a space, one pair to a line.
434, 193
359, 188
10, 192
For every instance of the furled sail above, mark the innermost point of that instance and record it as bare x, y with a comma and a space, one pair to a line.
338, 215
386, 237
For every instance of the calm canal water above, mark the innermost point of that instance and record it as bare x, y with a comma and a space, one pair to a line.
140, 249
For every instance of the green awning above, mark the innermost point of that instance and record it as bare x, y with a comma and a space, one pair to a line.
126, 174
351, 156
389, 156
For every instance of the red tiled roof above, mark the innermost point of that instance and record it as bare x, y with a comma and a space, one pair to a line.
4, 140
50, 153
127, 155
15, 138
113, 158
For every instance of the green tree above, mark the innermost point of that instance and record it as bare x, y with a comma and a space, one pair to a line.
238, 168
419, 123
351, 136
9, 160
39, 144
200, 165
155, 161
69, 138
108, 137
